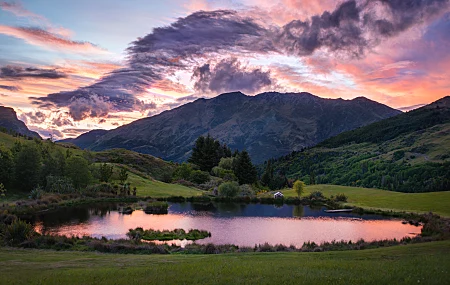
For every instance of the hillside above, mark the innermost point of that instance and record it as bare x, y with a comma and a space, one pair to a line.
9, 121
146, 165
406, 153
85, 140
267, 125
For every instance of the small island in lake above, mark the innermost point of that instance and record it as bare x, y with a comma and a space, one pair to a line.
176, 234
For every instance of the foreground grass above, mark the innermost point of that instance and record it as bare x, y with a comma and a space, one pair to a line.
412, 264
437, 202
146, 187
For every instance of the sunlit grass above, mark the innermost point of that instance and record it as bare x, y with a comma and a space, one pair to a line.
146, 187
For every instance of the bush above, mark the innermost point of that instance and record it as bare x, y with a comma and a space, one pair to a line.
36, 193
183, 172
316, 195
17, 232
199, 177
156, 208
229, 189
59, 184
225, 174
246, 190
340, 198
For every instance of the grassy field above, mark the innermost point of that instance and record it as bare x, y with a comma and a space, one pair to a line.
437, 202
427, 263
146, 187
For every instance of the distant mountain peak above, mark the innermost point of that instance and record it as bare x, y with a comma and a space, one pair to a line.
9, 120
267, 125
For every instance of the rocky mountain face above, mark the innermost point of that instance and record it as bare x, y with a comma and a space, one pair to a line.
86, 139
9, 121
266, 125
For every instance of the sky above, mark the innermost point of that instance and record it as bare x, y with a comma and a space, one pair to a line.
67, 67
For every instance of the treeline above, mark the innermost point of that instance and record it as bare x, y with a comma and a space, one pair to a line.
41, 166
347, 168
388, 129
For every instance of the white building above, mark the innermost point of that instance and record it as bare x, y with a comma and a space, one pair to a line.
278, 195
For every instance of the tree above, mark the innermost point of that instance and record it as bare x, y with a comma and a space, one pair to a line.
199, 177
299, 187
267, 176
183, 171
28, 167
123, 175
229, 189
6, 166
207, 153
244, 169
77, 169
106, 171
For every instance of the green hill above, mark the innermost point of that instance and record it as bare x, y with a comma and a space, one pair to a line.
407, 153
145, 172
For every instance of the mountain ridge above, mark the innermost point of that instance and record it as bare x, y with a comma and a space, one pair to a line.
9, 121
407, 153
268, 125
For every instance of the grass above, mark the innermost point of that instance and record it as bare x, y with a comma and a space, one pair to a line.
427, 263
146, 187
436, 202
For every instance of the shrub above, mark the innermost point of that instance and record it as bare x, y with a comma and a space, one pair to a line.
59, 184
316, 195
183, 172
156, 208
223, 173
229, 189
246, 190
340, 198
36, 193
199, 177
17, 232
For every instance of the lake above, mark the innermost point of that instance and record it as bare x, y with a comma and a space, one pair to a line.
239, 224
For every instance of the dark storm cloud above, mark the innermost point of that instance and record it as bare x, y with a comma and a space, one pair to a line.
229, 74
10, 88
353, 28
18, 72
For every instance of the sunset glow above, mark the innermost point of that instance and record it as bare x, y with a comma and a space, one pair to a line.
103, 64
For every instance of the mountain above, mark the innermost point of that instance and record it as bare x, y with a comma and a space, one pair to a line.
85, 140
9, 121
266, 125
407, 153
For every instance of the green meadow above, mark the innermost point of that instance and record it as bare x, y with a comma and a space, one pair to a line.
436, 202
427, 263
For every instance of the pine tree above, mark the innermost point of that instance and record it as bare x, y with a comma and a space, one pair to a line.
244, 170
267, 176
207, 153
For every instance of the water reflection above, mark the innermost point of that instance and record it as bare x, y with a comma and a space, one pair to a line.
241, 224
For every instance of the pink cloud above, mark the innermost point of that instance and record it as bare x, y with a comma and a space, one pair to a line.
40, 37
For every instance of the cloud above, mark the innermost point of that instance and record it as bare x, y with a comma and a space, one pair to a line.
10, 88
33, 117
350, 30
18, 72
40, 37
230, 74
18, 10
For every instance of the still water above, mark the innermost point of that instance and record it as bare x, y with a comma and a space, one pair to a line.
240, 224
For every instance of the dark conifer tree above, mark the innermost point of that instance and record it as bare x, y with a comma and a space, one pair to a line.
244, 170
